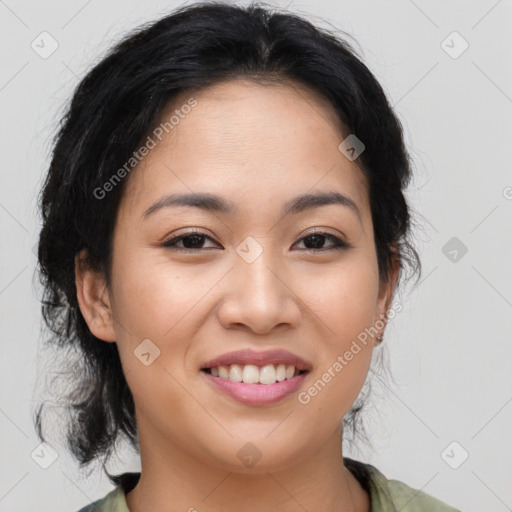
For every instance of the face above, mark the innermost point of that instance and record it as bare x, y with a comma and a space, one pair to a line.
264, 273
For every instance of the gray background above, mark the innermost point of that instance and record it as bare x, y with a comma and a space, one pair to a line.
450, 348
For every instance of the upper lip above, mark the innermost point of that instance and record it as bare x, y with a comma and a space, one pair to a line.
243, 357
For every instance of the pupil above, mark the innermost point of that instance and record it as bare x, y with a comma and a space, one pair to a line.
195, 244
317, 238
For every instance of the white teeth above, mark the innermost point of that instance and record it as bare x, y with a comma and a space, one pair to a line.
252, 374
281, 372
235, 373
268, 374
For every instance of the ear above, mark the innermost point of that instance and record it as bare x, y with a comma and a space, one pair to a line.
93, 299
386, 291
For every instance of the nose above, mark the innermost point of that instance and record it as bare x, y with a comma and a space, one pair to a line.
259, 297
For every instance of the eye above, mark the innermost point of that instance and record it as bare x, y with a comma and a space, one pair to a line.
192, 241
315, 241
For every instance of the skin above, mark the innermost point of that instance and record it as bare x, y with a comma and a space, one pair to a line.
258, 146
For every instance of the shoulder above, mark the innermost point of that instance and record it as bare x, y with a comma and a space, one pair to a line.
388, 495
408, 499
114, 501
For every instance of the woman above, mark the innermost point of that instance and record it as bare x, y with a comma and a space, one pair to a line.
224, 231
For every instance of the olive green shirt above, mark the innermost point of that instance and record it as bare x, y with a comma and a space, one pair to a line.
385, 495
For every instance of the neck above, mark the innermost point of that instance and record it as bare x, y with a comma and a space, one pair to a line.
170, 475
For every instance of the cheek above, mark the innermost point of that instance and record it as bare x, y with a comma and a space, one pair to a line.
344, 302
344, 298
159, 302
151, 306
152, 296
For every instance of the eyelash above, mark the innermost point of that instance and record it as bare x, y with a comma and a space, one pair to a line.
171, 243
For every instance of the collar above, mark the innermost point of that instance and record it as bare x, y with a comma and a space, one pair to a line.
371, 479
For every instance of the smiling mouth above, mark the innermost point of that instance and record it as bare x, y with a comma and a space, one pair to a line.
253, 374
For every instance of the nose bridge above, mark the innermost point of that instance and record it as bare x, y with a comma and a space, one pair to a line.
259, 297
257, 267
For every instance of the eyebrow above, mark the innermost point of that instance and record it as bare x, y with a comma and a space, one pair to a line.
216, 204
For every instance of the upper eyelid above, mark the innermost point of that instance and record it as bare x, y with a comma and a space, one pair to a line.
316, 231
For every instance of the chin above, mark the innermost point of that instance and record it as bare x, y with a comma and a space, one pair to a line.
259, 454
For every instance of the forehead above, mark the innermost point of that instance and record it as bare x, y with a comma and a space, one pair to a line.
250, 142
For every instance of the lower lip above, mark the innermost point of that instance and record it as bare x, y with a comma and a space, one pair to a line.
257, 394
